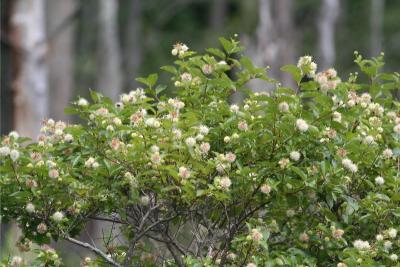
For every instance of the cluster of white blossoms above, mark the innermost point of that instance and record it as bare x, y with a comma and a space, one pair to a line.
152, 122
265, 188
184, 172
379, 180
242, 125
30, 208
307, 65
57, 216
179, 49
223, 182
361, 245
82, 102
256, 235
53, 173
295, 155
133, 96
349, 165
283, 107
91, 163
327, 80
302, 125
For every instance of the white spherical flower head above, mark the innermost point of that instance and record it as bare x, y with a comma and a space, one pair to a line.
227, 139
4, 151
396, 129
89, 162
203, 129
379, 237
256, 235
230, 157
154, 149
301, 125
379, 180
242, 125
186, 77
190, 141
251, 265
184, 172
16, 261
13, 134
393, 257
41, 228
58, 216
177, 133
303, 237
349, 165
82, 102
204, 148
388, 244
156, 158
341, 264
30, 208
369, 140
225, 182
295, 155
283, 107
387, 153
234, 108
53, 173
14, 154
361, 245
68, 138
265, 189
392, 233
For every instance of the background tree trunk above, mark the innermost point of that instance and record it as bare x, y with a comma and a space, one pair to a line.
109, 55
329, 14
31, 81
218, 15
60, 28
275, 39
376, 38
133, 43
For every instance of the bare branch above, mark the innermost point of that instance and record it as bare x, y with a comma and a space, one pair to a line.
94, 250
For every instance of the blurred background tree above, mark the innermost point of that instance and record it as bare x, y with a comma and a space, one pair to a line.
53, 50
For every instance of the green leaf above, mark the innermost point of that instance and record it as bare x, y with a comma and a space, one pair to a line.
226, 44
149, 80
298, 172
294, 70
216, 52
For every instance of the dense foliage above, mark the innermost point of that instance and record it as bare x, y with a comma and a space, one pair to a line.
295, 177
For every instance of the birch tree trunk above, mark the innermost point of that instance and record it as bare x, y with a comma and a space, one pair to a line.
276, 39
329, 14
31, 80
133, 44
60, 28
377, 14
109, 55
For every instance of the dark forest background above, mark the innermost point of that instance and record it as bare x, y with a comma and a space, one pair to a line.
54, 50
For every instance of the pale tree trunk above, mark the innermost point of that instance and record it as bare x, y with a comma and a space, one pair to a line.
377, 14
27, 37
328, 17
133, 44
286, 38
218, 15
109, 56
31, 81
60, 28
275, 45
